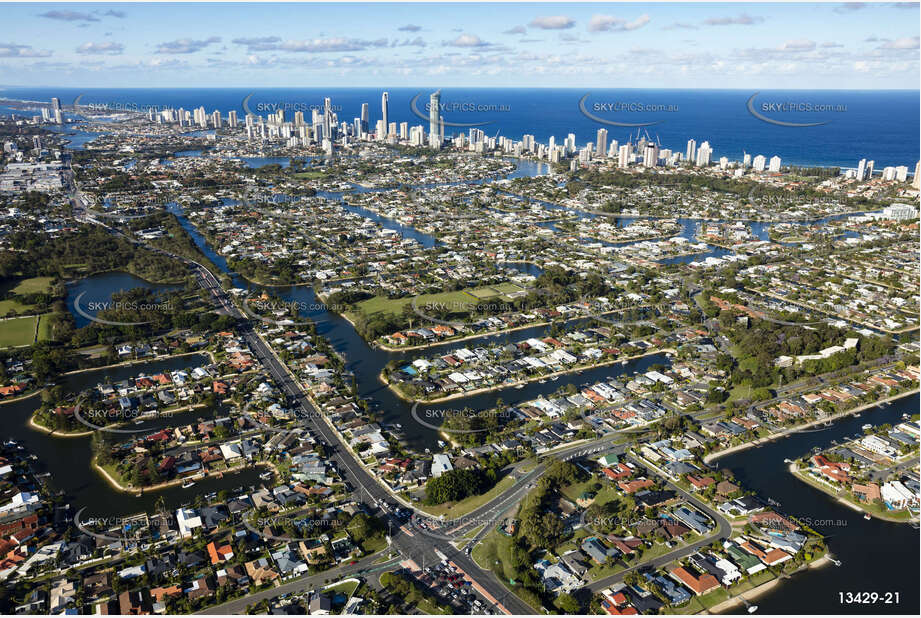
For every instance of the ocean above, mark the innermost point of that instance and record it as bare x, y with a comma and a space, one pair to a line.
877, 125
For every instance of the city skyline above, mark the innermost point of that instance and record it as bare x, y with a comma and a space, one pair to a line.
624, 45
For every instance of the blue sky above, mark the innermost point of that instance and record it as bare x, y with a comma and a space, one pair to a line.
626, 45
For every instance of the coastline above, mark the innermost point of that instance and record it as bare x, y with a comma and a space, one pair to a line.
780, 434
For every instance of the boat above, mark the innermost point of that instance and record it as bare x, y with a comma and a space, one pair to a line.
442, 443
519, 387
788, 460
542, 382
554, 378
867, 516
623, 362
188, 484
266, 476
866, 426
752, 609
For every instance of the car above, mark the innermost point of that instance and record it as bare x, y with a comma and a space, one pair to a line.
353, 562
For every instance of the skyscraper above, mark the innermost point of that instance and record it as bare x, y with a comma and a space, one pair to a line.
704, 154
650, 155
916, 180
861, 169
434, 124
691, 153
623, 156
55, 103
365, 117
601, 146
774, 165
327, 118
385, 101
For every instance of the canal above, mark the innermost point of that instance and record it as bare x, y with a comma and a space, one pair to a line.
876, 555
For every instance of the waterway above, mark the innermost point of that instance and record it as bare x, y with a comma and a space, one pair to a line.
876, 555
68, 460
95, 292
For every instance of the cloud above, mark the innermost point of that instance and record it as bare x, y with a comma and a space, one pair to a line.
332, 44
743, 19
850, 7
116, 14
798, 45
109, 48
905, 42
186, 46
259, 43
680, 25
516, 30
467, 40
609, 23
12, 50
553, 22
830, 44
68, 16
416, 42
410, 28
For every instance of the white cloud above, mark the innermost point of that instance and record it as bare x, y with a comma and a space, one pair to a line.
553, 22
186, 46
109, 48
739, 20
798, 45
609, 23
332, 44
467, 40
905, 42
12, 50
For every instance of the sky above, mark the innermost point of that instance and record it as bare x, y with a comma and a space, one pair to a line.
610, 45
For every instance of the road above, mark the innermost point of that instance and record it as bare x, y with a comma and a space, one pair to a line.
723, 531
301, 584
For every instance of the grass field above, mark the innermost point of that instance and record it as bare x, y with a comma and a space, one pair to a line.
44, 327
12, 305
17, 331
459, 301
33, 285
456, 509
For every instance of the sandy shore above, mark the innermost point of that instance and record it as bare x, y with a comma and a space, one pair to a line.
763, 589
746, 445
114, 484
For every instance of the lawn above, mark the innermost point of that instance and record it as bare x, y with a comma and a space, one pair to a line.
456, 301
17, 331
33, 285
44, 327
12, 305
345, 588
495, 547
455, 509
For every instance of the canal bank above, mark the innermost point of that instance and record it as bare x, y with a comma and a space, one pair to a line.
866, 549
